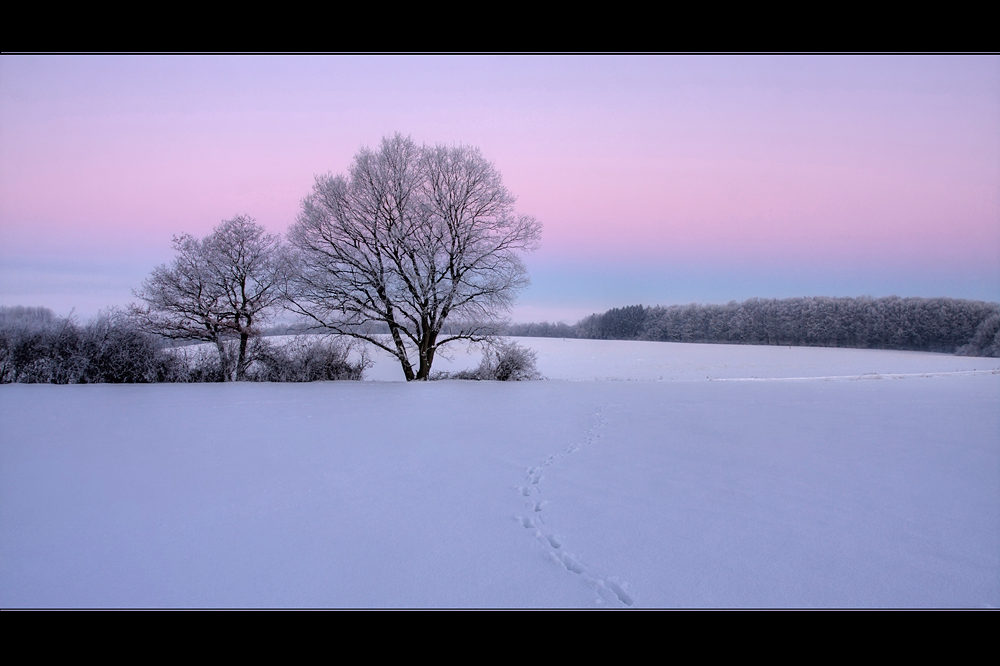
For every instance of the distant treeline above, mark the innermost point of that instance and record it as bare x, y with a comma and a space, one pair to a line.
948, 325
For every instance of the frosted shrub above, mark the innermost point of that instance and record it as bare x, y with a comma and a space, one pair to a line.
201, 363
118, 352
503, 361
306, 358
110, 349
510, 362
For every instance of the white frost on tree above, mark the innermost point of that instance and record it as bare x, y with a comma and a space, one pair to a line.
411, 238
221, 287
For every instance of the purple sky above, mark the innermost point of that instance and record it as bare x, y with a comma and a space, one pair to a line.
658, 179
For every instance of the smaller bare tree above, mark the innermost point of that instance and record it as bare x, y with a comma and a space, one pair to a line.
219, 288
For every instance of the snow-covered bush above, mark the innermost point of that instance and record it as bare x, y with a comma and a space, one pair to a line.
503, 361
299, 358
49, 350
198, 364
305, 358
509, 361
118, 352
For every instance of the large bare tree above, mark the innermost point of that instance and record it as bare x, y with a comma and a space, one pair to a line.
411, 238
221, 287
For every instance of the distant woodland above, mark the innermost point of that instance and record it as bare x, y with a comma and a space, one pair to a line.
947, 325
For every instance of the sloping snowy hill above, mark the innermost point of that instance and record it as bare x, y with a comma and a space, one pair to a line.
805, 492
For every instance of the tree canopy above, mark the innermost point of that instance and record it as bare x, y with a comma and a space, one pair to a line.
220, 287
412, 237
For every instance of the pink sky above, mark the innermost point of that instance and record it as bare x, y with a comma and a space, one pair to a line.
659, 179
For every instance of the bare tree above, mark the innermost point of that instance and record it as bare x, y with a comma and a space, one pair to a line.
218, 288
250, 268
411, 238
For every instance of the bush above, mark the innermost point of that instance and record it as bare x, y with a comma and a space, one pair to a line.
37, 347
503, 361
117, 352
196, 364
111, 349
306, 358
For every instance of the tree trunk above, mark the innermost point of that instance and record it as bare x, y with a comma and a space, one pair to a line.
426, 355
223, 361
401, 352
241, 363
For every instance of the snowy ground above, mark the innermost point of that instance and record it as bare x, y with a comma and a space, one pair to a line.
876, 486
616, 360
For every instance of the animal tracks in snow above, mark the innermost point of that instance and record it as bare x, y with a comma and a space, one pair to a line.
608, 589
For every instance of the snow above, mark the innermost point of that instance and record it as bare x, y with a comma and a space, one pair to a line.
616, 360
877, 488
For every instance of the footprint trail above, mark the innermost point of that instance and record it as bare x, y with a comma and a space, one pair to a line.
608, 588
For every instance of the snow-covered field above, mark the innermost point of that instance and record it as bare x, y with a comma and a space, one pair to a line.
832, 478
615, 360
